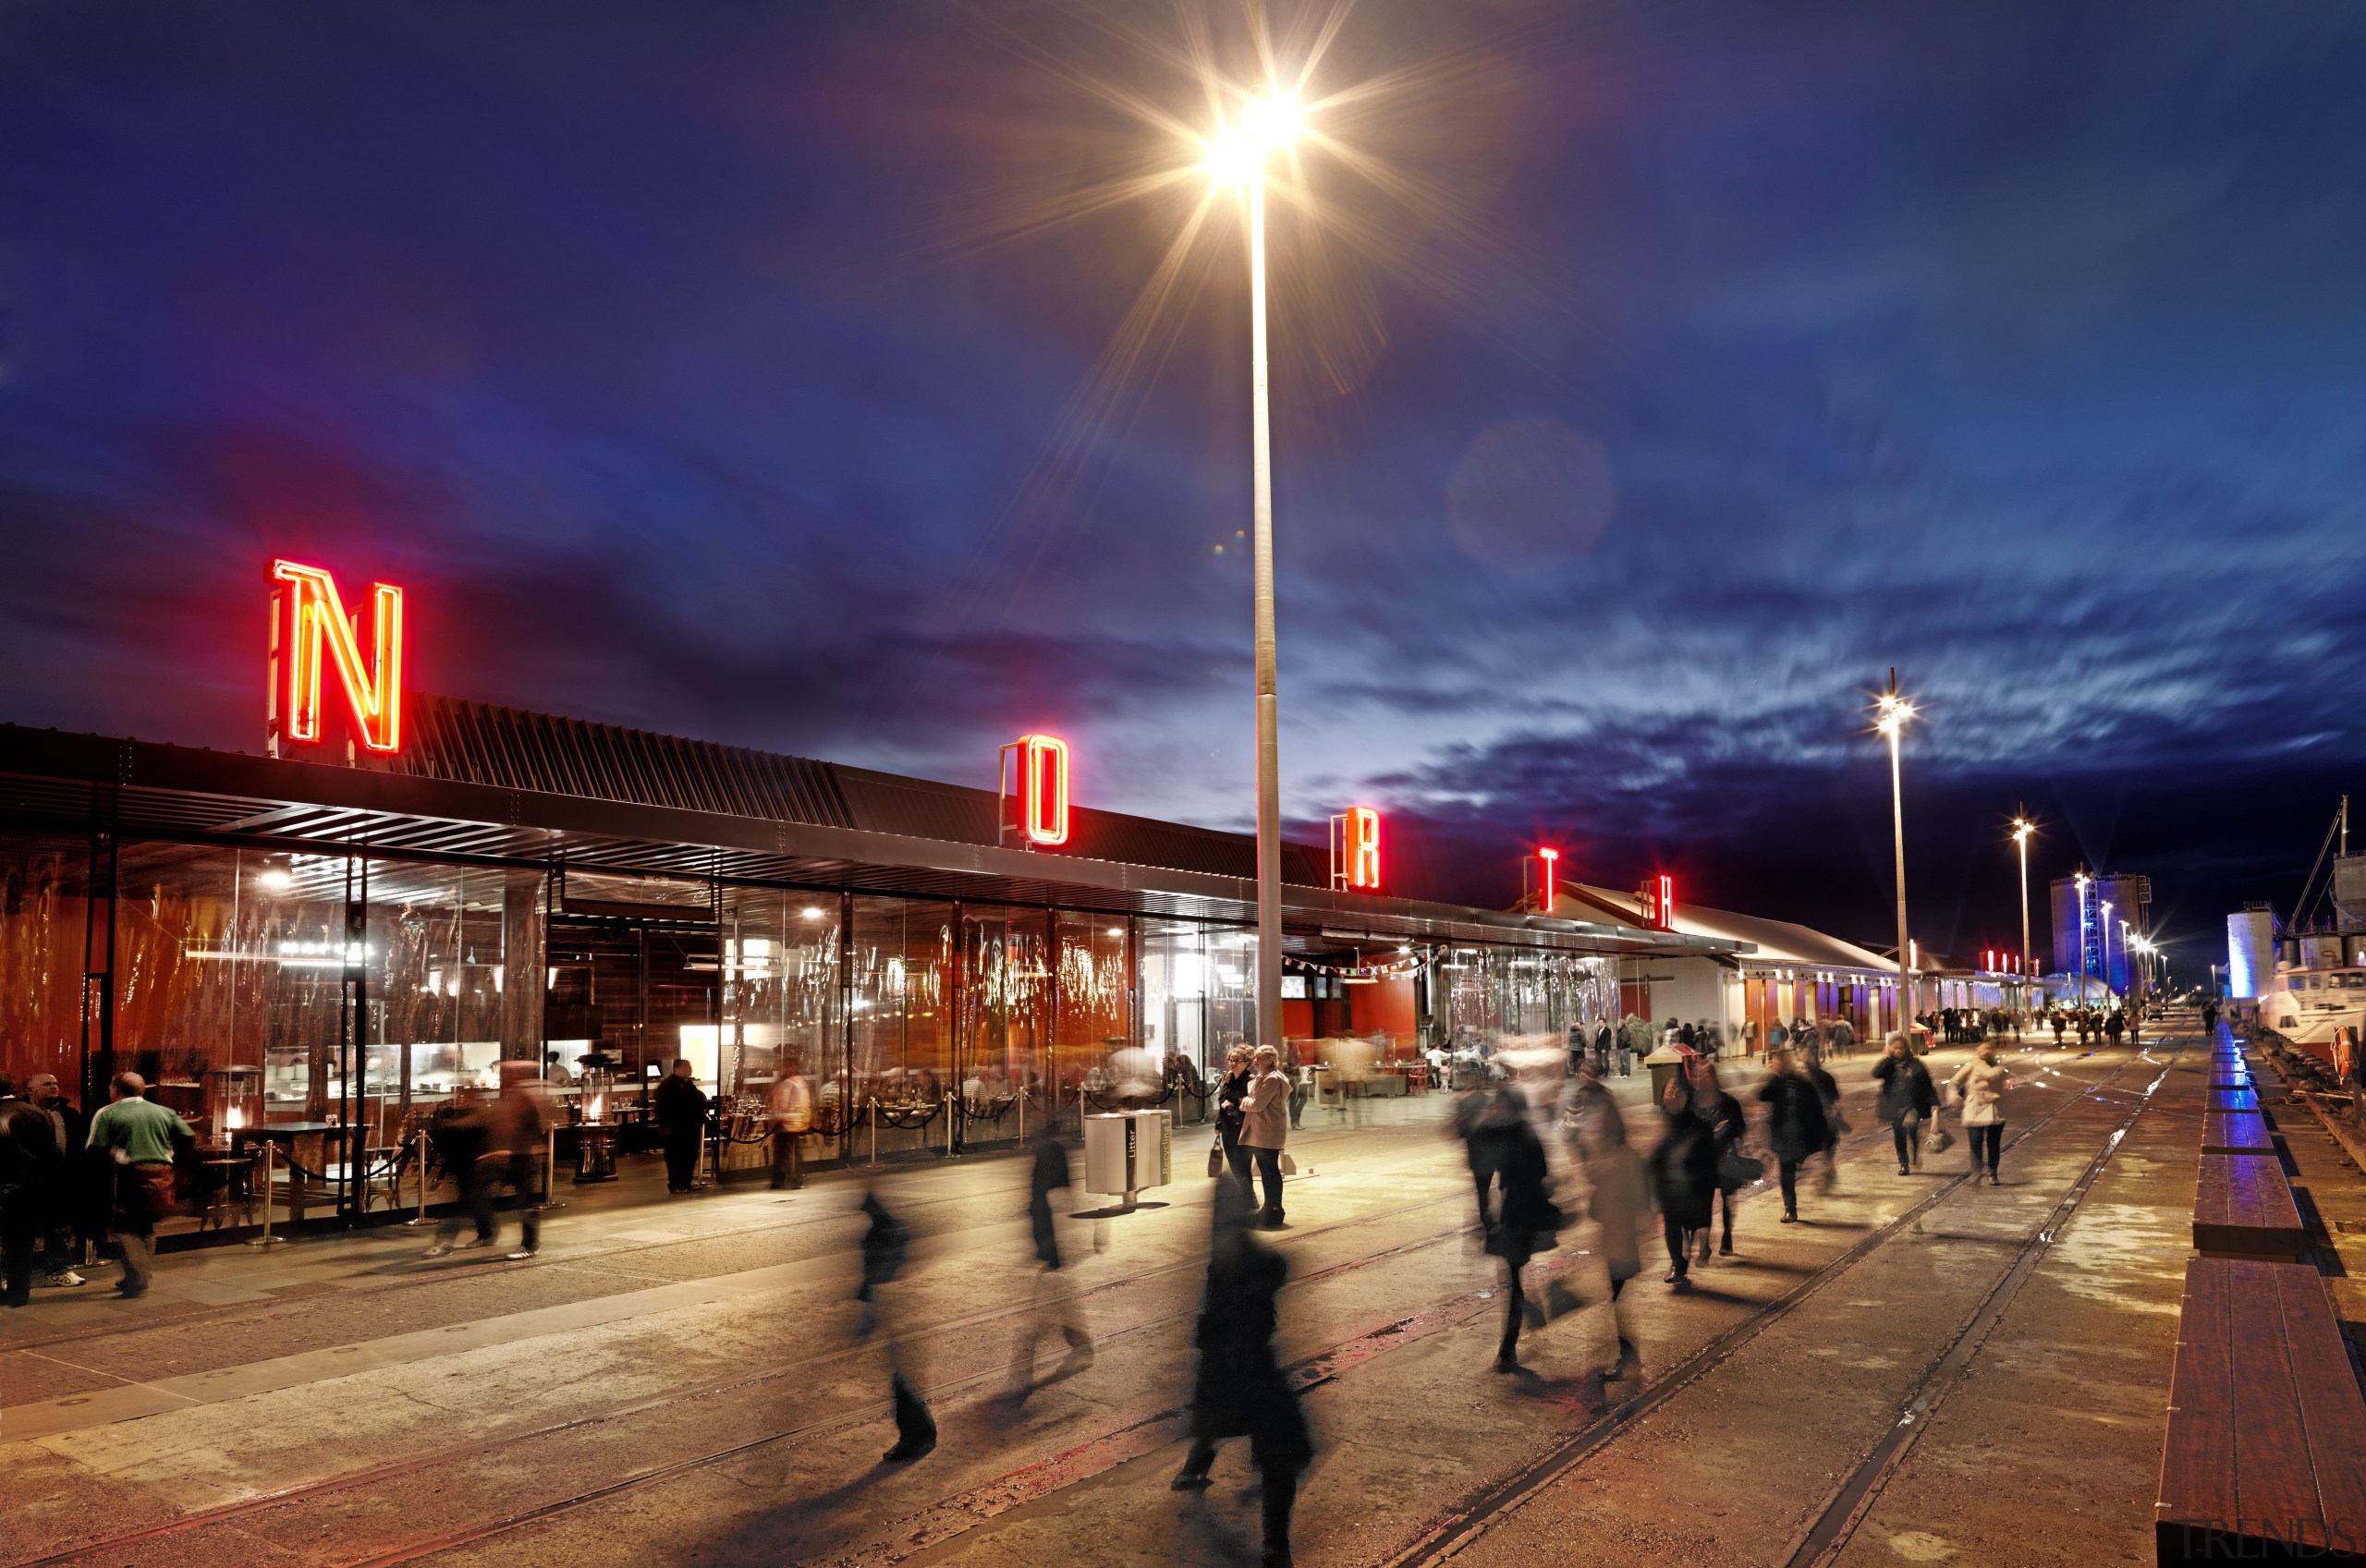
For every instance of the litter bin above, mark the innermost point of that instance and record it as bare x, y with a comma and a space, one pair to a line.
1127, 1150
1666, 1063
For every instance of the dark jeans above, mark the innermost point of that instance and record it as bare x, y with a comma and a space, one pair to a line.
1992, 1138
1788, 1172
1269, 1167
788, 1157
1677, 1236
1514, 1299
681, 1160
1907, 1134
1235, 1153
484, 1198
19, 1227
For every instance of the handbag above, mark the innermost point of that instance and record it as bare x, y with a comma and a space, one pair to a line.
1736, 1169
1216, 1158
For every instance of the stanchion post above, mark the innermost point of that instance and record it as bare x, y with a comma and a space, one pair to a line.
422, 1179
266, 1239
875, 1129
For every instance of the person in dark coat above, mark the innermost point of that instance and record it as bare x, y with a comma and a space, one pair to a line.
1730, 1126
1229, 1094
1470, 1109
1523, 1210
1052, 1308
1827, 1090
1683, 1171
71, 1222
1240, 1390
884, 1247
1908, 1098
679, 1108
29, 1159
460, 1131
1796, 1124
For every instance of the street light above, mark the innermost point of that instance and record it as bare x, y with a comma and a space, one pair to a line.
2022, 829
1891, 715
2082, 879
1237, 159
2103, 923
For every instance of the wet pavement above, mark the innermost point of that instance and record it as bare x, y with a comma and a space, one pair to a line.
1925, 1370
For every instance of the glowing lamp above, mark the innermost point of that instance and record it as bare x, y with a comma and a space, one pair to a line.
307, 616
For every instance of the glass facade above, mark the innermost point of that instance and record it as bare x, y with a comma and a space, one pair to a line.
331, 1004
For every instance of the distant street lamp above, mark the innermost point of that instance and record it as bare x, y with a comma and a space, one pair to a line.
1237, 159
2081, 881
2103, 925
2022, 827
1891, 714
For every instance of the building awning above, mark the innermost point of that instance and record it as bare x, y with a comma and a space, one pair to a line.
531, 790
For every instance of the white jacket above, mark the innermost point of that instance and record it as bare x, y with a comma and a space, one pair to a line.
1265, 1113
1982, 1087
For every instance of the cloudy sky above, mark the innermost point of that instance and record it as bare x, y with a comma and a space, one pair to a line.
870, 381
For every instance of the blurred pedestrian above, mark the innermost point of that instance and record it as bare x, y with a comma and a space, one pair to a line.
139, 1138
1230, 1092
458, 1133
1827, 1092
1683, 1170
1620, 1200
2054, 1018
1906, 1098
1796, 1127
29, 1156
1523, 1216
1981, 1083
2113, 1027
1051, 1307
1265, 1127
1240, 1390
1730, 1128
512, 1165
679, 1109
884, 1248
1585, 1106
68, 1221
790, 1106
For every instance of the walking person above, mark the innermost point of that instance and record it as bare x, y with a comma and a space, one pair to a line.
2055, 1019
1827, 1093
1265, 1127
679, 1108
67, 1224
790, 1109
458, 1133
1729, 1127
138, 1137
511, 1167
1239, 1389
1683, 1171
1522, 1213
2113, 1027
1796, 1124
1234, 1088
1981, 1083
28, 1156
1621, 1198
884, 1248
1906, 1098
1051, 1307
1585, 1106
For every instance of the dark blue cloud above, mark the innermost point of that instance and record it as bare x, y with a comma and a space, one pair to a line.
777, 376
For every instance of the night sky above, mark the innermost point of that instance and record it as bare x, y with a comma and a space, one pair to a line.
1648, 381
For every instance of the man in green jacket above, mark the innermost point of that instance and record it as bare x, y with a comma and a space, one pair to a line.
137, 1135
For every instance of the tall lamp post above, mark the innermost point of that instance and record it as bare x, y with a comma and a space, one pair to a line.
2022, 827
2081, 880
1236, 160
2103, 925
1891, 715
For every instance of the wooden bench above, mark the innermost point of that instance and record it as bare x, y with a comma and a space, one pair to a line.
2243, 1098
2243, 1208
2235, 1132
2261, 1463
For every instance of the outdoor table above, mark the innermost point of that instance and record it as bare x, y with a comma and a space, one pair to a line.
286, 1134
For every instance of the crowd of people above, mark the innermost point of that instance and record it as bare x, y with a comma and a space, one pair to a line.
67, 1183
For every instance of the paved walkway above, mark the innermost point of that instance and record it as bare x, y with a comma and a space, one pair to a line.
680, 1382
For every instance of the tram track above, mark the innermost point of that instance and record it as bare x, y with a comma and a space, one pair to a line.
1457, 1528
1321, 1365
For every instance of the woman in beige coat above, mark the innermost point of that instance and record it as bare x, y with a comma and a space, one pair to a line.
1981, 1082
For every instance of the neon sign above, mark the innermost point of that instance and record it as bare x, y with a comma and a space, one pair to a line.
1663, 903
307, 613
1355, 849
1043, 784
1548, 859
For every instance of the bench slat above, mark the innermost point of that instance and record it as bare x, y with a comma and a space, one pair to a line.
2235, 1132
